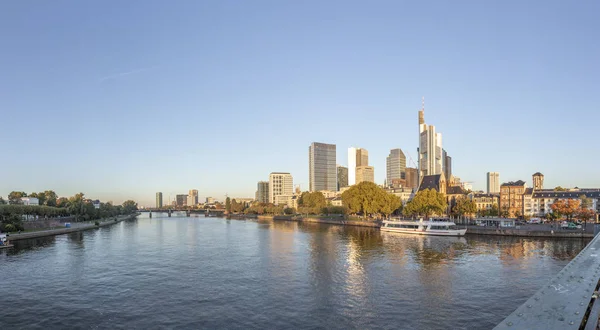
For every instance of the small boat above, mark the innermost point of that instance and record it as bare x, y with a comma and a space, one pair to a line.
423, 227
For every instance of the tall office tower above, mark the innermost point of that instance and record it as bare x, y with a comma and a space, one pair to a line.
430, 148
342, 177
412, 178
280, 183
181, 200
365, 173
356, 157
395, 166
159, 202
322, 174
262, 192
493, 183
538, 181
448, 167
193, 197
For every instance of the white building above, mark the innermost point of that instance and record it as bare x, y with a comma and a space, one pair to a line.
430, 148
30, 201
280, 183
543, 198
493, 183
287, 200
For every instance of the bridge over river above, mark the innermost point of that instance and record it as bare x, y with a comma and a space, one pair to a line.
568, 301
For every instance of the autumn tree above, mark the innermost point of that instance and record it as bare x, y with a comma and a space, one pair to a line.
426, 202
567, 208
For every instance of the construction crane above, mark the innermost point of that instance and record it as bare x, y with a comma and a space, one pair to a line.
411, 160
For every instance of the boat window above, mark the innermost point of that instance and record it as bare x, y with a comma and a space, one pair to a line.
453, 227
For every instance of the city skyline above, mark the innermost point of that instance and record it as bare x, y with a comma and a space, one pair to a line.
339, 75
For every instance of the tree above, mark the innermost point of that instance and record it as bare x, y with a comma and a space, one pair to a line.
585, 202
228, 205
2, 201
559, 188
585, 215
464, 206
368, 198
566, 208
50, 198
129, 207
62, 202
15, 197
426, 202
494, 212
311, 202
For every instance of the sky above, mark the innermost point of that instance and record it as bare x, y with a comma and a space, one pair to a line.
122, 99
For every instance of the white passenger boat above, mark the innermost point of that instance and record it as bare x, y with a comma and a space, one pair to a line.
423, 227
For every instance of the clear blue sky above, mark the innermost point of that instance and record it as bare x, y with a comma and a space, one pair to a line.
121, 99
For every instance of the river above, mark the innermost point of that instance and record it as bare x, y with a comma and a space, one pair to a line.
198, 272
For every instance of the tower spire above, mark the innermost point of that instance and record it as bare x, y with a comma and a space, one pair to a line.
423, 103
422, 114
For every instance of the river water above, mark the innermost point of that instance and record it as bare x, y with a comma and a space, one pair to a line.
211, 273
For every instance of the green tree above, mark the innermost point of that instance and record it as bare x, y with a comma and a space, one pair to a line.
464, 206
367, 198
2, 201
15, 197
559, 188
426, 202
585, 202
311, 202
228, 205
494, 212
50, 198
129, 207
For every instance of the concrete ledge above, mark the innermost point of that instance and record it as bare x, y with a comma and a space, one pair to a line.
527, 233
61, 231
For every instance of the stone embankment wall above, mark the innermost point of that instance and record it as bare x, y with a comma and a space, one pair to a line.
527, 233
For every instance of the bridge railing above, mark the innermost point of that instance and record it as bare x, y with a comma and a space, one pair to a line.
568, 300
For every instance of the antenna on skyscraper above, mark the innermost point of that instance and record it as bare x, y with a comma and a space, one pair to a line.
423, 103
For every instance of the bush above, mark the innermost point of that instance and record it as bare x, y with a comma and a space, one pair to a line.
97, 223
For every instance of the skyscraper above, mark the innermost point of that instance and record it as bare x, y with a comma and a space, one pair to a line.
181, 200
356, 157
322, 173
159, 202
412, 178
262, 192
493, 183
395, 166
430, 148
280, 183
192, 197
365, 173
342, 177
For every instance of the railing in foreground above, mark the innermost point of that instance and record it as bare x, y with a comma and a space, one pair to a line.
568, 300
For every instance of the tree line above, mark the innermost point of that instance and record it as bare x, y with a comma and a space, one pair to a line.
51, 206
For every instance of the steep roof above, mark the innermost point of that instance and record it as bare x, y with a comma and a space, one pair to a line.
537, 173
431, 182
455, 190
514, 183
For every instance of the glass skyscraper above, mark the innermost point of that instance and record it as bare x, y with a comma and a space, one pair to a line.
322, 172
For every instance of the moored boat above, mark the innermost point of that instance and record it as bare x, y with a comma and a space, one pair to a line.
4, 243
423, 227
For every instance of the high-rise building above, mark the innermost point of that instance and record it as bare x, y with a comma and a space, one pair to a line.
342, 177
192, 197
210, 200
159, 202
262, 192
322, 173
365, 173
493, 182
447, 164
395, 166
181, 200
356, 157
280, 183
430, 148
412, 178
538, 181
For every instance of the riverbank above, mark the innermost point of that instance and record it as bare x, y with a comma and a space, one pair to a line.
528, 233
60, 231
326, 220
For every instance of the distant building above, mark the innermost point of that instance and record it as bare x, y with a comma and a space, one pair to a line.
484, 202
356, 157
436, 182
405, 194
365, 173
96, 204
280, 183
287, 200
543, 198
538, 181
511, 198
430, 148
210, 200
30, 201
262, 192
493, 182
192, 197
342, 177
322, 172
447, 164
181, 200
395, 166
412, 178
159, 201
